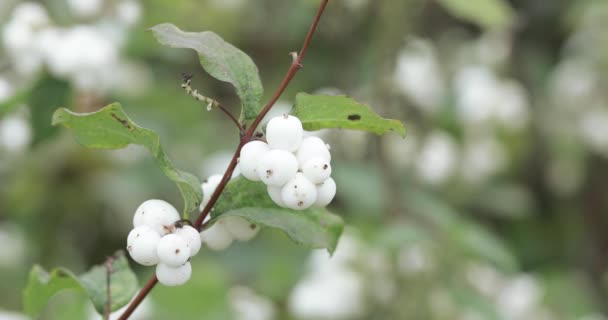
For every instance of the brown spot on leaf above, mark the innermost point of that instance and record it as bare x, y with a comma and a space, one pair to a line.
354, 117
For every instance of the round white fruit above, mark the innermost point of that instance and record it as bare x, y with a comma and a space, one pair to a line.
277, 167
316, 169
217, 237
209, 187
241, 228
250, 155
275, 195
326, 191
299, 193
284, 132
173, 276
312, 147
142, 243
156, 214
192, 238
173, 250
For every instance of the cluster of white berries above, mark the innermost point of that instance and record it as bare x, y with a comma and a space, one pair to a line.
227, 229
296, 170
159, 238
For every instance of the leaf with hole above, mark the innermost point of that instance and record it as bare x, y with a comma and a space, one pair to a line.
314, 228
111, 128
221, 60
43, 285
323, 111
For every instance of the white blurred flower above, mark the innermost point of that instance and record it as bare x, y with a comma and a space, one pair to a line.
573, 83
31, 14
15, 133
11, 315
494, 47
13, 248
437, 159
482, 157
593, 128
413, 260
251, 306
519, 297
511, 108
485, 278
6, 89
128, 12
85, 8
477, 92
419, 77
331, 290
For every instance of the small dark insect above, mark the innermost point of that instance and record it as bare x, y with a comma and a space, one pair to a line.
354, 117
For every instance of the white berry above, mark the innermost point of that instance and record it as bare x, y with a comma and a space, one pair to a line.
209, 187
312, 147
275, 195
241, 228
277, 167
173, 250
250, 155
157, 214
217, 237
325, 192
142, 243
173, 276
284, 132
299, 193
192, 238
316, 169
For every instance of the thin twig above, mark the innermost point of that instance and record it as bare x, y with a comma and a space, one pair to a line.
211, 103
296, 65
109, 270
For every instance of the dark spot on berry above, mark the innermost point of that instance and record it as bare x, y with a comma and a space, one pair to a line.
325, 166
128, 248
300, 203
252, 226
354, 117
176, 251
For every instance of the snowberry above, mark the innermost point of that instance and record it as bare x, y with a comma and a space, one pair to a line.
275, 195
209, 187
173, 250
248, 160
277, 167
241, 228
142, 243
284, 132
312, 147
191, 236
173, 276
325, 192
217, 237
157, 214
316, 169
299, 193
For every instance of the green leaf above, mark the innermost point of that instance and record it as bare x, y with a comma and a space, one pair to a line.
221, 60
486, 13
42, 285
111, 128
313, 228
321, 111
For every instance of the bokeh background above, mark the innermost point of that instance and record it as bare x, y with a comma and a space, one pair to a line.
494, 207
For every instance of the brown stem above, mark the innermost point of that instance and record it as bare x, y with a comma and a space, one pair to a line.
296, 65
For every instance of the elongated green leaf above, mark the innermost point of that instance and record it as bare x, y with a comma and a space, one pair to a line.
111, 128
486, 13
221, 60
314, 228
321, 111
43, 285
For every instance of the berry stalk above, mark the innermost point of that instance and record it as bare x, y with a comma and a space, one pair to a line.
295, 66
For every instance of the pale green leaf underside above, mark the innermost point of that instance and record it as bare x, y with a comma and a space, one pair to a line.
313, 228
486, 13
221, 60
322, 111
43, 285
111, 128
